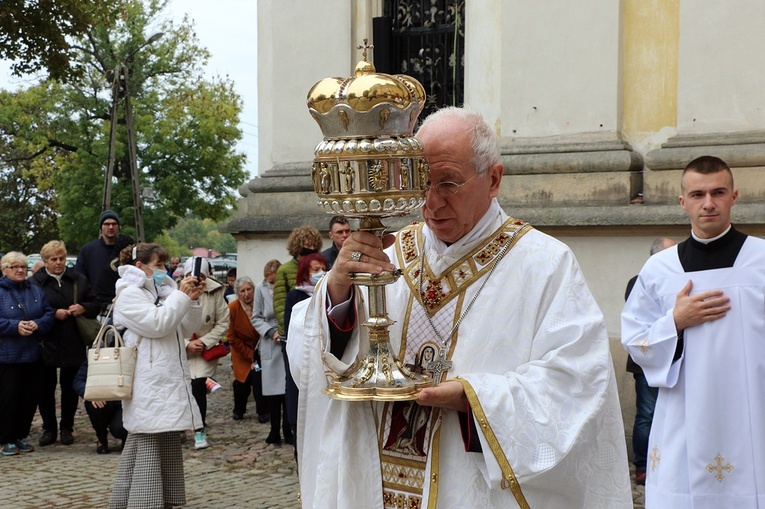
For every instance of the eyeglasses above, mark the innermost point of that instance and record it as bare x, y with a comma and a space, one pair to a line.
17, 267
448, 188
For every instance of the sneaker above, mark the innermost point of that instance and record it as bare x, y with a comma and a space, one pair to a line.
10, 450
23, 445
200, 440
47, 438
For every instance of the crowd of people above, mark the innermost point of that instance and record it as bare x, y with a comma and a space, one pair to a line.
523, 411
179, 313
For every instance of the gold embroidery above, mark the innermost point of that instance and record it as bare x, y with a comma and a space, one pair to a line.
401, 501
655, 458
718, 468
489, 252
439, 290
643, 346
433, 293
508, 476
434, 464
407, 245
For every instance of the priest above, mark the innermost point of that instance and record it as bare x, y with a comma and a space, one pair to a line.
524, 409
694, 322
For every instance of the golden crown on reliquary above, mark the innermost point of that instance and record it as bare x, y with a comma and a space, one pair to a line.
369, 163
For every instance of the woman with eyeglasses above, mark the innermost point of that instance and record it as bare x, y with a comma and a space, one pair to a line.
25, 318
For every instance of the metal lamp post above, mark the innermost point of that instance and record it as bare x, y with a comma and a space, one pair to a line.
121, 88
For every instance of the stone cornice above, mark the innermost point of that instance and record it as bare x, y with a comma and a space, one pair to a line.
741, 149
581, 153
587, 217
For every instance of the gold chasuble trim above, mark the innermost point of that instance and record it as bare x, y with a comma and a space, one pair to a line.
437, 291
507, 471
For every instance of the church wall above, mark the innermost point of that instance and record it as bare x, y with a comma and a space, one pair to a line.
721, 67
294, 52
595, 103
558, 66
648, 68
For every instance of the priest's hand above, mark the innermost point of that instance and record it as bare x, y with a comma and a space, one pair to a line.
449, 394
368, 249
703, 307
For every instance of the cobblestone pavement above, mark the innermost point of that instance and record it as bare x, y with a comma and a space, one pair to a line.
238, 470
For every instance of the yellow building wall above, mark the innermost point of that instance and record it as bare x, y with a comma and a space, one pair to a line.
650, 40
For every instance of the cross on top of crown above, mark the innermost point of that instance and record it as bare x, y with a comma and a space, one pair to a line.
365, 47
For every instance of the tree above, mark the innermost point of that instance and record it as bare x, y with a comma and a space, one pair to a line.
193, 232
186, 128
27, 199
35, 33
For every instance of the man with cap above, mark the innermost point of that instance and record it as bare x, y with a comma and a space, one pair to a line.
96, 255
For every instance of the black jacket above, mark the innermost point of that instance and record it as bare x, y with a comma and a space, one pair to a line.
70, 348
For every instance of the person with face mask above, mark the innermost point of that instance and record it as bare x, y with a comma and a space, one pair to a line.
157, 314
210, 333
310, 271
303, 241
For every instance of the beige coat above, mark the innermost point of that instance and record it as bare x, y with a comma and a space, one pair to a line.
215, 318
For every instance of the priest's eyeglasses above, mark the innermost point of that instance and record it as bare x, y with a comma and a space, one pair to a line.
448, 188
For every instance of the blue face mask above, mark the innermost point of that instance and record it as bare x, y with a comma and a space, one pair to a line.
316, 277
159, 275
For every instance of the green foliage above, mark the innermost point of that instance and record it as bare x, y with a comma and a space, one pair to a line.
173, 247
185, 127
37, 33
193, 232
28, 161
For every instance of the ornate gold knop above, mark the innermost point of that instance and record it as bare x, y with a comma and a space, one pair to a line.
370, 166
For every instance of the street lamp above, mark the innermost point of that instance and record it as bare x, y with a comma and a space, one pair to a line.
121, 87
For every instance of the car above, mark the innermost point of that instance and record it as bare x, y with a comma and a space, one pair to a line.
31, 261
220, 268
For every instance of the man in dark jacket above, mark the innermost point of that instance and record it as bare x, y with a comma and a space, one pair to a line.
63, 348
339, 230
97, 254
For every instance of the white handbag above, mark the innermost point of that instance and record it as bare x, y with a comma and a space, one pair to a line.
110, 369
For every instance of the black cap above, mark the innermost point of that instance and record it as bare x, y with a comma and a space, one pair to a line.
108, 214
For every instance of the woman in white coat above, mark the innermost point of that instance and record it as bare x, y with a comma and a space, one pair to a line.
158, 315
215, 317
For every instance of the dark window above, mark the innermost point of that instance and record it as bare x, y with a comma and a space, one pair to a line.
426, 40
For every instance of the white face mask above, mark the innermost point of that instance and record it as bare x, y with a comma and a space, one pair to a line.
316, 277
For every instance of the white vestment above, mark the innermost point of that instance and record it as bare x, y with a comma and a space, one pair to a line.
707, 443
533, 354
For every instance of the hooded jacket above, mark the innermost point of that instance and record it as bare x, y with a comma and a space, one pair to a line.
162, 316
215, 318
